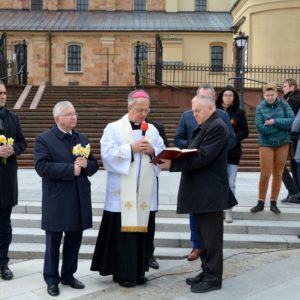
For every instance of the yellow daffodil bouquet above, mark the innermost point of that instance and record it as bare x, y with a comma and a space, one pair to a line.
79, 150
6, 141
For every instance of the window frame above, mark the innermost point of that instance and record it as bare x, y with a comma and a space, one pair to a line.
67, 70
200, 5
138, 3
216, 67
37, 6
82, 5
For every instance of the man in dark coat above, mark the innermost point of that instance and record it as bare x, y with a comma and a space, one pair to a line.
183, 134
292, 96
10, 128
66, 200
204, 189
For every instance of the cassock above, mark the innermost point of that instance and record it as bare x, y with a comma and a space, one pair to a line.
131, 193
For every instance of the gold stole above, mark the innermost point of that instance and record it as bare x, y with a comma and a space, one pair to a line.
135, 202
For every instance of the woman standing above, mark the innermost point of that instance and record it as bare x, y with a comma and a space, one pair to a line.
229, 101
273, 119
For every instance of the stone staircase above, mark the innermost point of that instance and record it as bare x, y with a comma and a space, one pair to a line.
98, 106
172, 238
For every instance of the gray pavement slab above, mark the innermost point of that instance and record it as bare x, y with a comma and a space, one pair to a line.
246, 187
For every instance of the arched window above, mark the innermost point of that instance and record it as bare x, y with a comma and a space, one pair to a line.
74, 58
82, 4
200, 5
217, 53
36, 4
139, 5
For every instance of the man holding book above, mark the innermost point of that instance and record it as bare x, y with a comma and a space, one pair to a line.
204, 189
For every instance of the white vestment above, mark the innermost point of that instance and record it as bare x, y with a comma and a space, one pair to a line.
116, 156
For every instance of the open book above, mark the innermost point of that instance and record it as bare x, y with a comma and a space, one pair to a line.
172, 153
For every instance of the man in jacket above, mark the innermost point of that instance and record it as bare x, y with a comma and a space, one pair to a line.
66, 199
292, 95
183, 134
204, 189
9, 128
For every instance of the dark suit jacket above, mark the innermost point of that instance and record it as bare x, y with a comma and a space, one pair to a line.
204, 182
8, 171
66, 200
188, 123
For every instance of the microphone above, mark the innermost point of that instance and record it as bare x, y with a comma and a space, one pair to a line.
144, 127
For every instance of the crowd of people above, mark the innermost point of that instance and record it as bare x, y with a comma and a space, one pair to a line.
214, 126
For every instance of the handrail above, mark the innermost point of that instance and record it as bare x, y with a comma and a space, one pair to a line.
12, 75
250, 79
160, 82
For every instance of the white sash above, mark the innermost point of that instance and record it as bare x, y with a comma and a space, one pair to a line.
135, 198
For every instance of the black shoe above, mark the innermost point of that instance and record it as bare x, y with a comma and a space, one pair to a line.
124, 283
196, 279
259, 207
73, 283
142, 281
153, 263
204, 287
287, 198
274, 208
6, 273
291, 199
53, 289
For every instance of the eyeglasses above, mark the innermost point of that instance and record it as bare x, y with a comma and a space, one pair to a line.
70, 115
141, 110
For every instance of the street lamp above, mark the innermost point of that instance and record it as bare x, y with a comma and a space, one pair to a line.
240, 42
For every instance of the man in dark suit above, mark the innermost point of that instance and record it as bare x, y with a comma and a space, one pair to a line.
66, 203
10, 128
204, 189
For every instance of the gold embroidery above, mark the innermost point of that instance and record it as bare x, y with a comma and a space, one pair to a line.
144, 205
128, 205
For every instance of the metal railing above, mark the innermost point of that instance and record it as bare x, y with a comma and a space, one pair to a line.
193, 75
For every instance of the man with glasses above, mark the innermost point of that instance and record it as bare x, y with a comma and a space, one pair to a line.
66, 195
10, 128
122, 247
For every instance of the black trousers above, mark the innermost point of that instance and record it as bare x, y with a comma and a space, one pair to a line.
291, 183
150, 234
71, 246
5, 234
210, 233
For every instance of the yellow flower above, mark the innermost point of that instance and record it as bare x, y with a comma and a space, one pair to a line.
81, 151
87, 151
3, 140
10, 141
78, 150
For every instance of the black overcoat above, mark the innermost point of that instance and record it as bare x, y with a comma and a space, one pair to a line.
204, 182
66, 199
8, 171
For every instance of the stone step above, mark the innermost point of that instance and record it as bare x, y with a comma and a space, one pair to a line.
290, 212
37, 250
24, 248
176, 224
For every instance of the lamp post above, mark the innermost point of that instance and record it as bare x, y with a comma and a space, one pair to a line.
240, 42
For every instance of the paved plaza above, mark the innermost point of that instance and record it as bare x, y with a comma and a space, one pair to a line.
248, 273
